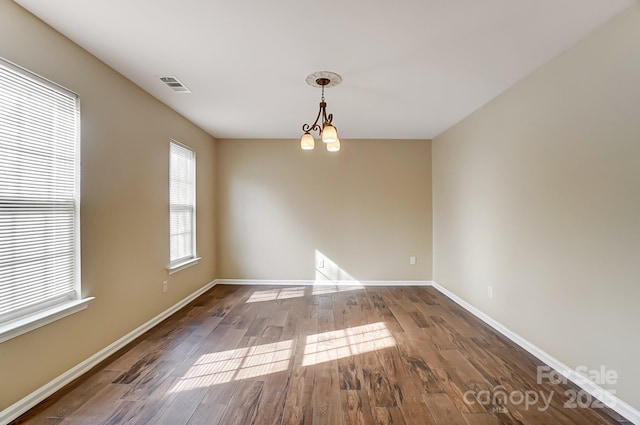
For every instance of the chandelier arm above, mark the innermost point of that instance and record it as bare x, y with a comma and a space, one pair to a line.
328, 118
309, 128
315, 127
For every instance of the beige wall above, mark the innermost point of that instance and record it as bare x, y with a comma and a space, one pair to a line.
125, 137
366, 209
538, 195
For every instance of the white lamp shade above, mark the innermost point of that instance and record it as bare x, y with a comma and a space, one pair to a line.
329, 134
307, 143
334, 146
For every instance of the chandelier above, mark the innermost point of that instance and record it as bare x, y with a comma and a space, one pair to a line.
328, 133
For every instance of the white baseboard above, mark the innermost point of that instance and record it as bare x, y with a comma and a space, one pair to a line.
624, 409
310, 282
15, 410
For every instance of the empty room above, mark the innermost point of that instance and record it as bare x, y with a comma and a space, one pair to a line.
302, 213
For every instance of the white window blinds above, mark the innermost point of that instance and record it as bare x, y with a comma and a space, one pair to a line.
182, 208
39, 193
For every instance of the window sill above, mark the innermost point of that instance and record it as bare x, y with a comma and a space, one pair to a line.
33, 321
183, 265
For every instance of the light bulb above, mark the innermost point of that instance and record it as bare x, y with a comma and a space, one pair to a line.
329, 134
334, 146
306, 142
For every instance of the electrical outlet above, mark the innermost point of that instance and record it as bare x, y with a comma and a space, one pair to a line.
165, 286
490, 291
320, 264
412, 260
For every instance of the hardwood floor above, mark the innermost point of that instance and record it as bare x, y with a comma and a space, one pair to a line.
318, 355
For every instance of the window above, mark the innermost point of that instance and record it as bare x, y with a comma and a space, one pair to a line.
182, 206
39, 201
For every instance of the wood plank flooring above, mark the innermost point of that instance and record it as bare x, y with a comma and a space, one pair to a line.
317, 355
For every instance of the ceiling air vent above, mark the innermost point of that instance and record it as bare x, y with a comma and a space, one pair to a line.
175, 84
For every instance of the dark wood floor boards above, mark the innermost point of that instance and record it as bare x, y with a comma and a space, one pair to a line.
214, 403
314, 356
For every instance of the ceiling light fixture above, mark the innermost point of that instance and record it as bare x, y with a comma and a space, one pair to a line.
328, 133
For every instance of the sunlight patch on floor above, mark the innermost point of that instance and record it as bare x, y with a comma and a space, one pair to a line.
334, 289
260, 360
233, 365
277, 294
347, 342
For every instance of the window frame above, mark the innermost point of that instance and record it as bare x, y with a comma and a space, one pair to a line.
184, 262
54, 308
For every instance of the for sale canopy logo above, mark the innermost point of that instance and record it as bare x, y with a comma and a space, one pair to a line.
598, 397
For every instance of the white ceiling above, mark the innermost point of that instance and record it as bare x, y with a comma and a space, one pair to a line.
410, 68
